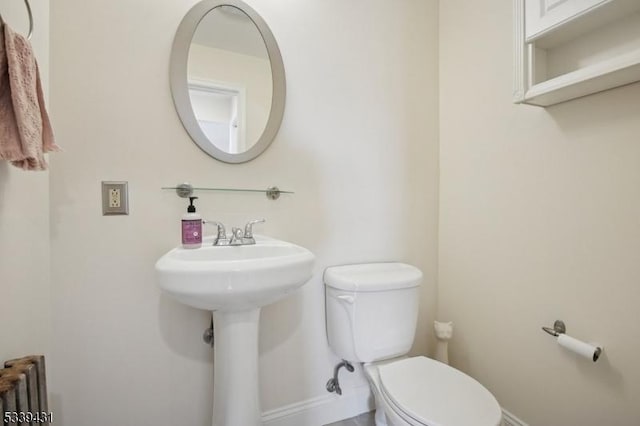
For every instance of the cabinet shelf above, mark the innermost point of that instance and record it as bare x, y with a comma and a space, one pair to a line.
615, 72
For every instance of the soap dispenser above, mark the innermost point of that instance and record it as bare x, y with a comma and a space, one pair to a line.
191, 227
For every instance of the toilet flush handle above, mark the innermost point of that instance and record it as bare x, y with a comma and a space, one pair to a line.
347, 299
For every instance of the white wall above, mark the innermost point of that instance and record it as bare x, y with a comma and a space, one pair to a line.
539, 221
358, 145
24, 224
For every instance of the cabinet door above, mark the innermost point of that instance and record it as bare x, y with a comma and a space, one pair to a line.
542, 15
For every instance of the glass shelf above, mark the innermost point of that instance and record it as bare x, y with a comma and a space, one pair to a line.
185, 190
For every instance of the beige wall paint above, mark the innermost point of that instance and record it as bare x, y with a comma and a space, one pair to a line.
358, 145
24, 225
539, 220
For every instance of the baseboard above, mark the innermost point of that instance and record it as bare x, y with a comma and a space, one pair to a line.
509, 419
332, 408
322, 410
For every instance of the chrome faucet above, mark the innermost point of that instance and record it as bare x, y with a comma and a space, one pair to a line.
238, 237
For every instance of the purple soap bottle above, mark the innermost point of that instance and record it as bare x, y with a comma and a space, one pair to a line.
191, 227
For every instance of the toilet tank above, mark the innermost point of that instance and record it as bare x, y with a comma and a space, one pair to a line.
372, 310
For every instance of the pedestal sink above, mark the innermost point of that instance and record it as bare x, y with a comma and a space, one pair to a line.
234, 282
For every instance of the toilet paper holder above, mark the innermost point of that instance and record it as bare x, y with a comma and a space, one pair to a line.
558, 328
584, 349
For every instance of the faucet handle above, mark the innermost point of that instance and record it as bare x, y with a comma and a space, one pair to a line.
221, 236
248, 229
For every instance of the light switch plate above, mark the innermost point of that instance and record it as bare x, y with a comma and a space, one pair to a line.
115, 198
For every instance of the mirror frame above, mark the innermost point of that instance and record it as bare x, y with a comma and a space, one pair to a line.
180, 88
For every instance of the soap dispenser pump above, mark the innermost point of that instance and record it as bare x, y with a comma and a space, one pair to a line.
191, 227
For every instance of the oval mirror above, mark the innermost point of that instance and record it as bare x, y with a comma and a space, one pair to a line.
227, 80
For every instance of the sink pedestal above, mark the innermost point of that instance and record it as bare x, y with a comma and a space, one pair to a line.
236, 399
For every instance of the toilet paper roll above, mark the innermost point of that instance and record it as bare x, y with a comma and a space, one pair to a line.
578, 346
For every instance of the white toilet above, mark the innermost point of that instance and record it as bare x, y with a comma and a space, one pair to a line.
372, 312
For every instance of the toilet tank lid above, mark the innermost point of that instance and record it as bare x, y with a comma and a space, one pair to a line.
372, 276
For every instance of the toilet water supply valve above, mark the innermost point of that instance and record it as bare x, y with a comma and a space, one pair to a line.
333, 385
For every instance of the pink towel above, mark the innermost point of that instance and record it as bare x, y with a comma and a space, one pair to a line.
25, 130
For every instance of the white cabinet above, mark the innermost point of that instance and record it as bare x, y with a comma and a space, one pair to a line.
544, 15
565, 49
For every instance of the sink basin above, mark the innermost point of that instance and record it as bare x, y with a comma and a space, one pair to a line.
232, 278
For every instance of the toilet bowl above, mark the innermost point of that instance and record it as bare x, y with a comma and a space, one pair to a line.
372, 312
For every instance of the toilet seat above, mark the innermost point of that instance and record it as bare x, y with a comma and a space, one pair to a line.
425, 392
397, 416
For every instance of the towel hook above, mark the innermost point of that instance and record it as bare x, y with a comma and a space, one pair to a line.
28, 6
26, 3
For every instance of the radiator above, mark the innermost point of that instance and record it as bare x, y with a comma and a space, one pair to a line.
23, 392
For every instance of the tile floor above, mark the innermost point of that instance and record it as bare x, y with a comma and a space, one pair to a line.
366, 419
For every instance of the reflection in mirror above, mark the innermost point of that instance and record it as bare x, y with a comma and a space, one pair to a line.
227, 80
230, 81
